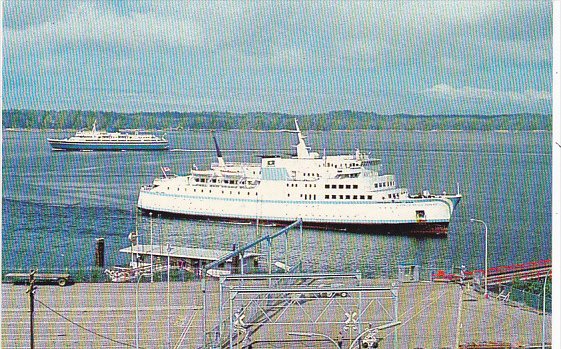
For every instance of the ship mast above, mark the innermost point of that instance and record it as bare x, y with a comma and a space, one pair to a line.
221, 162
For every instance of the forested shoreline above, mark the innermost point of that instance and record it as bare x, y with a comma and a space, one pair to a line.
336, 120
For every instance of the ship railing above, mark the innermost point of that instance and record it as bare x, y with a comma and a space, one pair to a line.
235, 164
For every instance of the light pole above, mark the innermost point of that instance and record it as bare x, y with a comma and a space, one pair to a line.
543, 312
140, 275
151, 251
480, 221
169, 326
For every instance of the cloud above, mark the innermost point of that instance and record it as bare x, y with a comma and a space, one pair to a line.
350, 51
87, 24
467, 92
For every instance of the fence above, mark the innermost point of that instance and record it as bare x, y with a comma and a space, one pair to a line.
532, 300
98, 275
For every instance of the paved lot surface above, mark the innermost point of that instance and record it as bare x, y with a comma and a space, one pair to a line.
104, 316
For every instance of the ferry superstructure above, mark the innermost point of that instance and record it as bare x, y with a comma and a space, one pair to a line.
94, 140
334, 191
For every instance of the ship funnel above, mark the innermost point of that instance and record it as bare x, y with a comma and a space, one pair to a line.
301, 149
218, 152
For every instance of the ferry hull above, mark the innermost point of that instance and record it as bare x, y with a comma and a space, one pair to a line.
392, 217
439, 229
101, 146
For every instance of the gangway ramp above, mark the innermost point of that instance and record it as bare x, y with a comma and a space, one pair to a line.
507, 274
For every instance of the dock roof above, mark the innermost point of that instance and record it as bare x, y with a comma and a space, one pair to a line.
181, 252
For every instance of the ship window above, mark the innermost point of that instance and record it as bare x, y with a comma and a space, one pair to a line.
306, 197
288, 194
327, 196
355, 186
341, 186
354, 197
333, 186
362, 197
334, 196
375, 185
348, 197
341, 197
177, 189
194, 190
247, 193
327, 186
348, 186
369, 197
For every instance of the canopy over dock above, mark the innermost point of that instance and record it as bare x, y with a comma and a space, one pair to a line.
187, 253
186, 257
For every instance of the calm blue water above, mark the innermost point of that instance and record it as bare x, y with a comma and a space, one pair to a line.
55, 204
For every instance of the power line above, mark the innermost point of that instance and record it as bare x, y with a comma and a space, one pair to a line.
82, 327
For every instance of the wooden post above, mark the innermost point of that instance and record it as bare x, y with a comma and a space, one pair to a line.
100, 252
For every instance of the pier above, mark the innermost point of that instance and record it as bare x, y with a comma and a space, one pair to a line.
524, 271
431, 315
274, 305
500, 275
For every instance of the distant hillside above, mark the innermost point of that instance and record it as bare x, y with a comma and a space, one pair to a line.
348, 120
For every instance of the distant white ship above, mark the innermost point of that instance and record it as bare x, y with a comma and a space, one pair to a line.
334, 192
95, 140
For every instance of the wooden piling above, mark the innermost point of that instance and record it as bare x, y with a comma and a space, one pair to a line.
100, 252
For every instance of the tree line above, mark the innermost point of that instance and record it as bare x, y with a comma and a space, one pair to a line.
336, 120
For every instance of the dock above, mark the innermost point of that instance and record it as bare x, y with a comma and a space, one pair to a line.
431, 315
147, 259
276, 305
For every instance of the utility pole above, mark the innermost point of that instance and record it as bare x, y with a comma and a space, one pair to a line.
31, 291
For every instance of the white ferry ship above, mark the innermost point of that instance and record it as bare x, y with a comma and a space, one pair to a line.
95, 140
335, 192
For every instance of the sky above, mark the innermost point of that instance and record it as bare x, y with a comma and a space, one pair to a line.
388, 57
